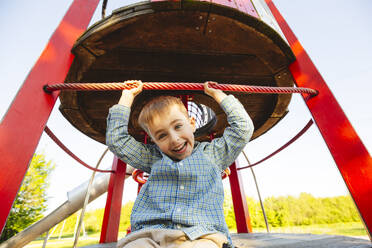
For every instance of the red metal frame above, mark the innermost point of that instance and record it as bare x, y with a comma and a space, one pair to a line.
351, 156
24, 122
243, 221
111, 218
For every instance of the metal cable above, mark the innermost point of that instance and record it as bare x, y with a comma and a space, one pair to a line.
308, 125
63, 147
77, 234
258, 193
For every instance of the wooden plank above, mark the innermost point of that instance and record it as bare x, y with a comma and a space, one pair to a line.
281, 240
286, 240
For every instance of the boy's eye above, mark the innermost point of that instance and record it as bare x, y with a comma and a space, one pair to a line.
161, 136
178, 126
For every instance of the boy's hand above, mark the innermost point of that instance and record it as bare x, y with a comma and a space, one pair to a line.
127, 96
217, 94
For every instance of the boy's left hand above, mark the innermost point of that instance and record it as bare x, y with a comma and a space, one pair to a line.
217, 94
127, 96
137, 87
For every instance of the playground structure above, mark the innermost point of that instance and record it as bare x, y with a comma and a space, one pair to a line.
74, 202
349, 153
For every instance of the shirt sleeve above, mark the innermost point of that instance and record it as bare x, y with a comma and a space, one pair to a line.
224, 150
123, 145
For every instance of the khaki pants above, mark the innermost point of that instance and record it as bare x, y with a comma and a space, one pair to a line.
169, 238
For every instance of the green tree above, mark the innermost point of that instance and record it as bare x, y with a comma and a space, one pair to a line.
229, 211
31, 199
126, 211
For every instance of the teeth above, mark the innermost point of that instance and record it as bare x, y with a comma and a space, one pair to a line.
178, 149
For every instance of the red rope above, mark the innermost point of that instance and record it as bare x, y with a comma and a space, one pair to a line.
60, 144
179, 86
308, 125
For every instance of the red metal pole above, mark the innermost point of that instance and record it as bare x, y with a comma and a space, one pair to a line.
24, 122
351, 156
243, 221
111, 218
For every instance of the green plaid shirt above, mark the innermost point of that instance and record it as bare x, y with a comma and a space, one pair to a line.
188, 194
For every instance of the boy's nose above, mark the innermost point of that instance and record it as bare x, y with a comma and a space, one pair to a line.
174, 138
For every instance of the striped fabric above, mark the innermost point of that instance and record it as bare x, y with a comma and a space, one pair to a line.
188, 194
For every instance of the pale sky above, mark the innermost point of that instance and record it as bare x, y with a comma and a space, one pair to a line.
337, 36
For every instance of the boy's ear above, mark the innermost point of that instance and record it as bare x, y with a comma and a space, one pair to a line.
193, 124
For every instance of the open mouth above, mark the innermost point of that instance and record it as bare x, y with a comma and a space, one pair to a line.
180, 149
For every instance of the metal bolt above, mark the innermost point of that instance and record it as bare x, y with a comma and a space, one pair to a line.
197, 28
213, 18
210, 31
200, 17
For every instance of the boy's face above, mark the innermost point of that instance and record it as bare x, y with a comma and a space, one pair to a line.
173, 133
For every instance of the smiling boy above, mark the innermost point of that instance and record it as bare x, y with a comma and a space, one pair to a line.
171, 128
181, 205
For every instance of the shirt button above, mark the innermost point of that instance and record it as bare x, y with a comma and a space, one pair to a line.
178, 210
182, 187
178, 226
181, 163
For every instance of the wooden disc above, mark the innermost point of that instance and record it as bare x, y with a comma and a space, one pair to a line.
164, 41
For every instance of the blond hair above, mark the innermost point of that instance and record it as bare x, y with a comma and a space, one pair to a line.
158, 106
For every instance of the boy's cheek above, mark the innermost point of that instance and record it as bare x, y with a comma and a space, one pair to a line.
161, 146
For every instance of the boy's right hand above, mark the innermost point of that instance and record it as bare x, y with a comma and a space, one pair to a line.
127, 96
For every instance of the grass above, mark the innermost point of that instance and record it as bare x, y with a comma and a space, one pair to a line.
62, 243
67, 241
355, 229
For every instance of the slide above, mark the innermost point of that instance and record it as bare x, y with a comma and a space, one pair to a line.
75, 201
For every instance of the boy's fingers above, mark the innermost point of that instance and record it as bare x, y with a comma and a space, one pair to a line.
137, 84
210, 85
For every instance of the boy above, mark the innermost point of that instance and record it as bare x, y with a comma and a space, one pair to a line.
181, 205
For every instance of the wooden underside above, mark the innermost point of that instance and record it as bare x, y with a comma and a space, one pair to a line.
164, 41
